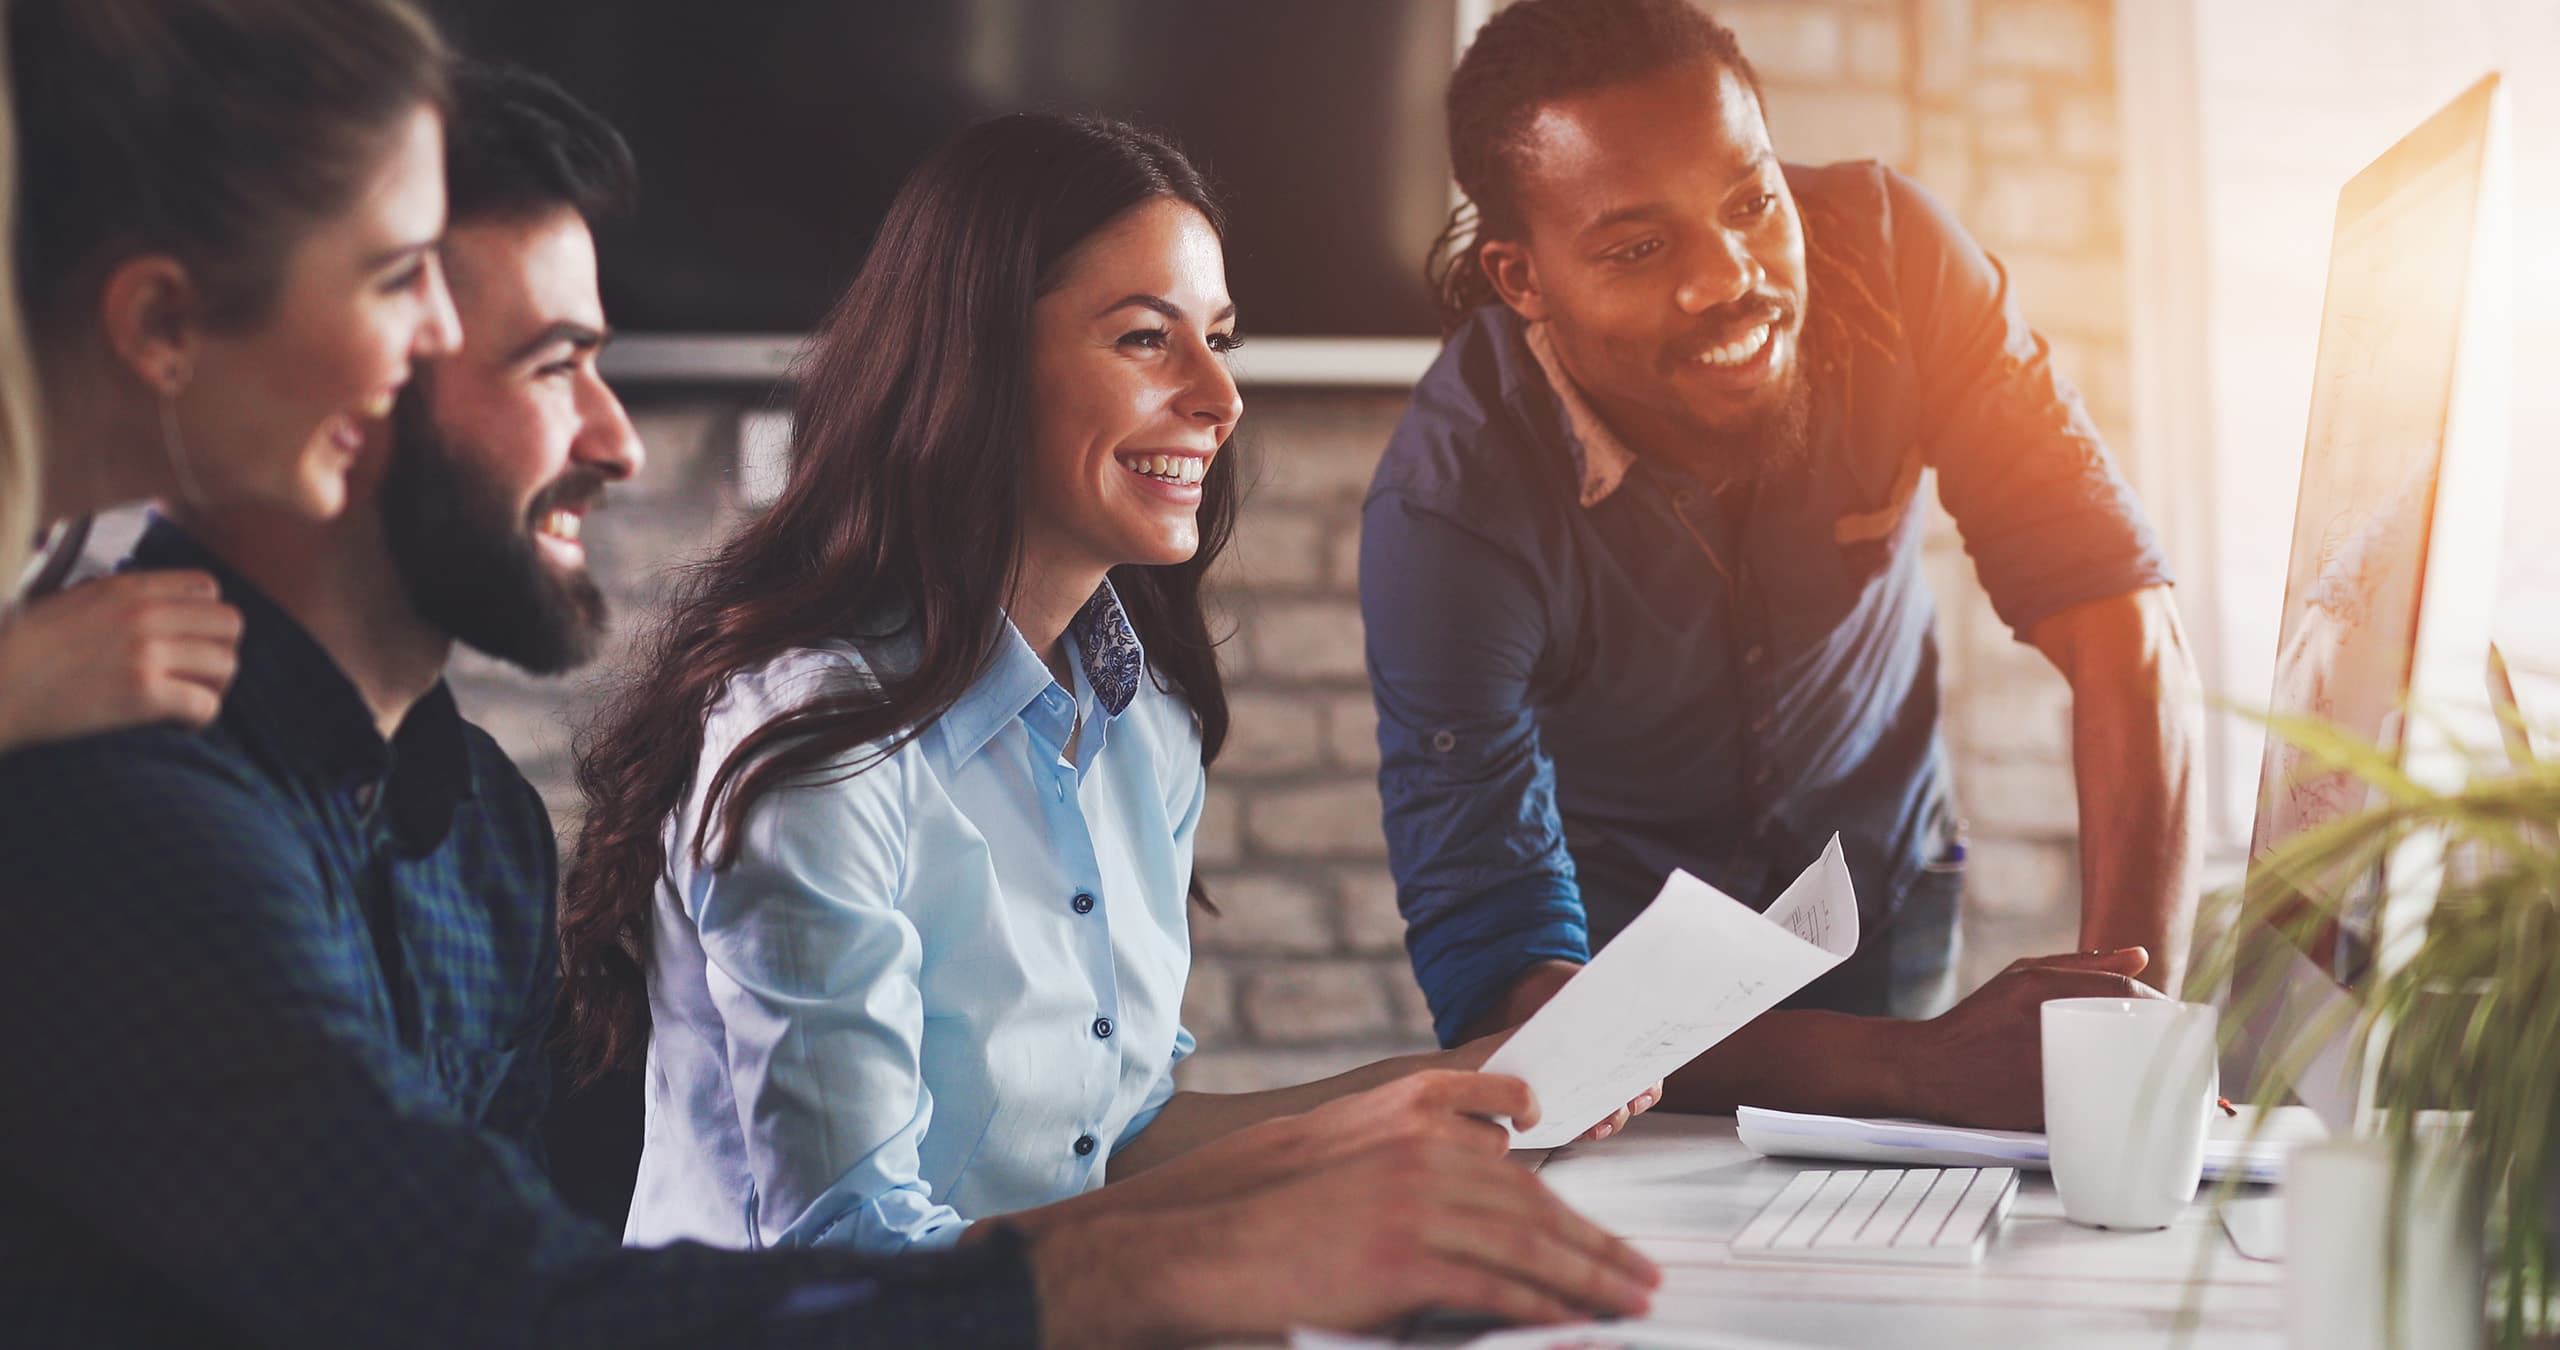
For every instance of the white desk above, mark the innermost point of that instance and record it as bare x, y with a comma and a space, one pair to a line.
1679, 1187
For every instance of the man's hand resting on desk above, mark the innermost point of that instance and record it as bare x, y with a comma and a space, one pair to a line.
1384, 1203
1981, 1062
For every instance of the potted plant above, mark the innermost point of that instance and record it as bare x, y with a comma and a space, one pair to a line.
2458, 1024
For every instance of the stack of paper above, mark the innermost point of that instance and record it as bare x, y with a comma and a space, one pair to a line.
2230, 1150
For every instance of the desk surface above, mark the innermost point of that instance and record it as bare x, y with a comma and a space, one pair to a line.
1680, 1187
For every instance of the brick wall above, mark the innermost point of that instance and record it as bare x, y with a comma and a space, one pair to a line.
2004, 108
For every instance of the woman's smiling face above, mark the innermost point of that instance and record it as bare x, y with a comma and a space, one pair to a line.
1131, 396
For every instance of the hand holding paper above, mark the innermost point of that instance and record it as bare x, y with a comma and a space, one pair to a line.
1694, 967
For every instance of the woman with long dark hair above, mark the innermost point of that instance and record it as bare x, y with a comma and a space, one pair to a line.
888, 847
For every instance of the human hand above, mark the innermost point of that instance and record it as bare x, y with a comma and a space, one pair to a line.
1428, 1104
1407, 1221
116, 652
1981, 1063
1474, 1053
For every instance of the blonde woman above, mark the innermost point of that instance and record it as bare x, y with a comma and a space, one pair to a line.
225, 268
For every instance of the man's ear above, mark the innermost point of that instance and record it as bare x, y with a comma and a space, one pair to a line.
1514, 275
152, 315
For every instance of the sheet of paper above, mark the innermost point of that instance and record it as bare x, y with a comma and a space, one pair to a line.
1585, 1336
1691, 970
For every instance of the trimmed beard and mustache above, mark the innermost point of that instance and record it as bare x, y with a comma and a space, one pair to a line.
1774, 435
467, 557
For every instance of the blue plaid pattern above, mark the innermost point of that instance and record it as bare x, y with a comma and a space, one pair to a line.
274, 1055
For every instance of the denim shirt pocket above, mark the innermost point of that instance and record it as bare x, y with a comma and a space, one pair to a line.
1866, 538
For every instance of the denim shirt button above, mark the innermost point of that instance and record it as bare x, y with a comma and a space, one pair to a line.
1444, 741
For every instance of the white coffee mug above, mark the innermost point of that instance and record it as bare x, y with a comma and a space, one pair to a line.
2129, 1087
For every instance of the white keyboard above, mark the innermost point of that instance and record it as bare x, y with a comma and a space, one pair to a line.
1933, 1216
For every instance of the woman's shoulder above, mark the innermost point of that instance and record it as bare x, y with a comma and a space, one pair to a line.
785, 683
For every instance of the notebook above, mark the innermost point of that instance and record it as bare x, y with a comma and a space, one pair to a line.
2229, 1151
1927, 1216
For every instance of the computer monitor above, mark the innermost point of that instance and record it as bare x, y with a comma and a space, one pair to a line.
2393, 570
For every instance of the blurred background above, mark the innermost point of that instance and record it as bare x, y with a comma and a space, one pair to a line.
2158, 177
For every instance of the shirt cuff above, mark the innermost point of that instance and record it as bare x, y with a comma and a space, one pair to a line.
904, 1219
2062, 583
1469, 957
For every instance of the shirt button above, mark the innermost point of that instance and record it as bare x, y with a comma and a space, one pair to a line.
1085, 1145
1444, 741
1752, 657
1083, 903
1102, 1027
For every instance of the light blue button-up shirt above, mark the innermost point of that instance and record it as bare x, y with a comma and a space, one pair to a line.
941, 989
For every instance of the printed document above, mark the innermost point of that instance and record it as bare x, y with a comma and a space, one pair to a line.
1691, 970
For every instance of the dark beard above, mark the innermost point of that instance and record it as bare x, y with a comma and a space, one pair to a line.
470, 564
1767, 440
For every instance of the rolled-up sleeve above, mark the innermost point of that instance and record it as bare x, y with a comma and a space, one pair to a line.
814, 972
2049, 521
1455, 632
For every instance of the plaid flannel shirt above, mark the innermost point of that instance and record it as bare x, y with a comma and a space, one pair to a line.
274, 1058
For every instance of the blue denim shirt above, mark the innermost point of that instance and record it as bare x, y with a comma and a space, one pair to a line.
1591, 669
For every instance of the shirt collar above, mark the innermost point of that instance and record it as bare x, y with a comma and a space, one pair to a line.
1108, 647
294, 696
1107, 650
1605, 458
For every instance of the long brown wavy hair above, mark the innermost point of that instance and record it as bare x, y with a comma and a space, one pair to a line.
910, 424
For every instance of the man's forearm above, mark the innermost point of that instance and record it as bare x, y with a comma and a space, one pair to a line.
2136, 740
1793, 1061
2137, 840
1823, 1062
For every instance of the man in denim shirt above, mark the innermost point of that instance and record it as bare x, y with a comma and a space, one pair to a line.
1642, 575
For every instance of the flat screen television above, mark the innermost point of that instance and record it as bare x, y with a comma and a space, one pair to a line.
771, 135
